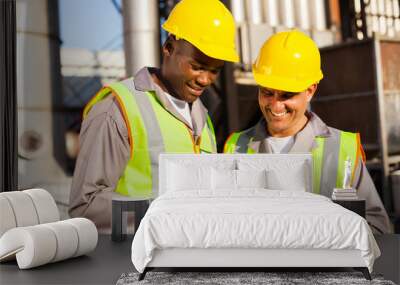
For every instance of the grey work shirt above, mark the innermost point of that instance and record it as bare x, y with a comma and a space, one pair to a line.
105, 151
304, 142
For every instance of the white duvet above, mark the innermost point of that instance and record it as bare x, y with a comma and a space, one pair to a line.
253, 218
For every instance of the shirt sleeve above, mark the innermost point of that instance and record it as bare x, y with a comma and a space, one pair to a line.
376, 214
104, 153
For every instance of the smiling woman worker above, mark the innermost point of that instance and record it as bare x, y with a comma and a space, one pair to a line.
129, 123
287, 71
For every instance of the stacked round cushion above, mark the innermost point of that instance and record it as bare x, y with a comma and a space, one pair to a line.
31, 232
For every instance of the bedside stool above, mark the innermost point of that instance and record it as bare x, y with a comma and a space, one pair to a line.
120, 206
357, 206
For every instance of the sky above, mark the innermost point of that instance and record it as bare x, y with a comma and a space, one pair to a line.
90, 24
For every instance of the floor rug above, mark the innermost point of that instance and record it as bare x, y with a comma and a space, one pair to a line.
243, 278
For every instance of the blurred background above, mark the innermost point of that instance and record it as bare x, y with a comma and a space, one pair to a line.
67, 49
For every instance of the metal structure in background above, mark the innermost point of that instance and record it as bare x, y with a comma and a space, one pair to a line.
8, 98
259, 19
141, 34
363, 95
353, 19
363, 18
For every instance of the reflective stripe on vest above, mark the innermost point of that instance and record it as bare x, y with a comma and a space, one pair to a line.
338, 148
152, 130
238, 142
329, 157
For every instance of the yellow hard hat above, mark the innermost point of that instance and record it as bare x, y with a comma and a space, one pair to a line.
206, 24
288, 61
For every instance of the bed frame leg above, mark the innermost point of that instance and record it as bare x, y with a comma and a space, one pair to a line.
143, 274
364, 271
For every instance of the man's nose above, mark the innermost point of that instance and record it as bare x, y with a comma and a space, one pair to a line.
205, 78
275, 103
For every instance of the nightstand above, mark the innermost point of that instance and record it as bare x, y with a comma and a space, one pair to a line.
357, 206
120, 206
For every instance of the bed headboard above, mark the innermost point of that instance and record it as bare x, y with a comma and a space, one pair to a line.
286, 165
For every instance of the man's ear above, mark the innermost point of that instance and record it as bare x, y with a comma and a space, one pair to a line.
311, 91
168, 46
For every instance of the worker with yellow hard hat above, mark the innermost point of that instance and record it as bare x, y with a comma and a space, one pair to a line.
287, 71
129, 123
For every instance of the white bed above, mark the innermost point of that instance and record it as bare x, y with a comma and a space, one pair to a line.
221, 211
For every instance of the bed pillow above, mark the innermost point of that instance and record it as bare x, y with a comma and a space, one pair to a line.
294, 180
188, 177
282, 174
223, 179
251, 179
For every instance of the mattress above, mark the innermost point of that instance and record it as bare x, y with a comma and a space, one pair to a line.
251, 219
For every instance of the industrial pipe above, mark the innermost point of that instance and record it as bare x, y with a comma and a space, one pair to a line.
238, 11
302, 14
286, 8
254, 11
141, 34
318, 15
271, 12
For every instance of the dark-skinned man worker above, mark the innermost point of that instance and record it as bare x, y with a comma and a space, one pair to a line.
287, 71
129, 123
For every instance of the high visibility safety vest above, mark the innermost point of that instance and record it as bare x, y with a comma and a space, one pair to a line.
152, 130
329, 156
